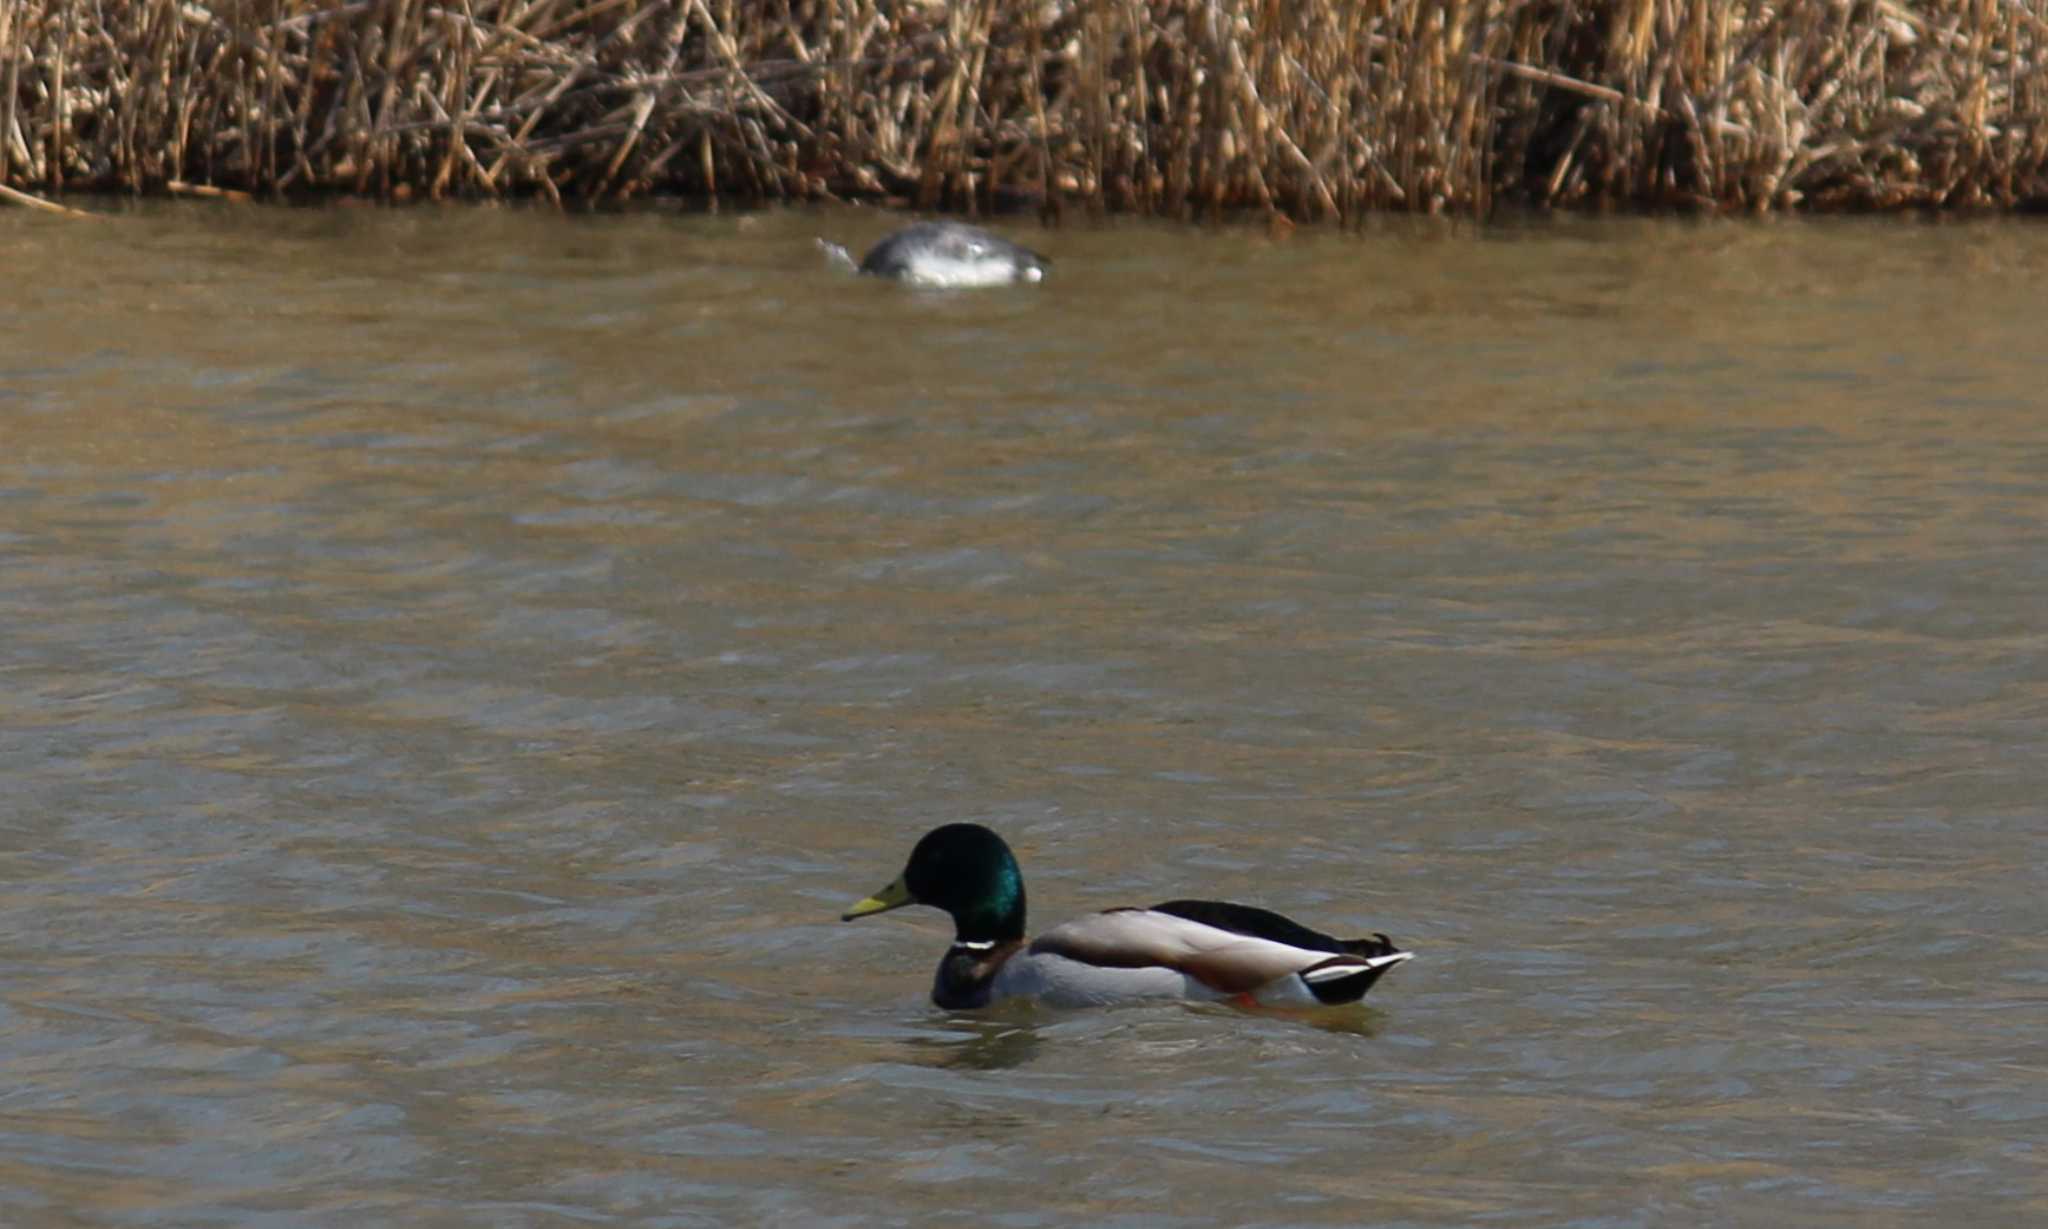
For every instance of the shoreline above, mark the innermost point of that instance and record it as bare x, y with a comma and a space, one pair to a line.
1311, 112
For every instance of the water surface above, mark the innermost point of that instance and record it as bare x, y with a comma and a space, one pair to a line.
455, 665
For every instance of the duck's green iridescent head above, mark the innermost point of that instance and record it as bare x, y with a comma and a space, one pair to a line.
970, 873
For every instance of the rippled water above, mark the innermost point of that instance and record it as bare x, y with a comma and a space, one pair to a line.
456, 665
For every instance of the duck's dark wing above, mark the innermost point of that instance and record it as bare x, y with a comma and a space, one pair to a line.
891, 257
1227, 959
1266, 924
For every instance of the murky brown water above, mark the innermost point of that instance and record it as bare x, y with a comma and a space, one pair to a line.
455, 665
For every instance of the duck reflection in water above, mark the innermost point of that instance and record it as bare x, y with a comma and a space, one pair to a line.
980, 1045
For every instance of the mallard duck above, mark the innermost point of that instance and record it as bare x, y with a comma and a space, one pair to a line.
952, 254
1184, 949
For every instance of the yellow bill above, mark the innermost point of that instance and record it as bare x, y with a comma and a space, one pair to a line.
895, 896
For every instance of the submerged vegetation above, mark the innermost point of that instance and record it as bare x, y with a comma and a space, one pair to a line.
1312, 108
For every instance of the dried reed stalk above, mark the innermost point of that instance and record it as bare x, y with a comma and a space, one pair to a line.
1311, 108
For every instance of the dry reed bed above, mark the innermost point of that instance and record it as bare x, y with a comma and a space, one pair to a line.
1314, 108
